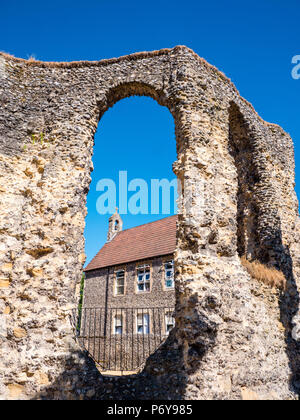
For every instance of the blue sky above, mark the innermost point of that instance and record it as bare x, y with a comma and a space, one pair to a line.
251, 42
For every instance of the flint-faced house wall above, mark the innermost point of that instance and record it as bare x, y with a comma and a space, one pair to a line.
128, 350
233, 337
99, 286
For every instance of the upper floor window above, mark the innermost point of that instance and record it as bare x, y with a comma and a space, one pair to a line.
143, 278
118, 327
120, 282
169, 274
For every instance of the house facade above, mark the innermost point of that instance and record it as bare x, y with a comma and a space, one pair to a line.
129, 296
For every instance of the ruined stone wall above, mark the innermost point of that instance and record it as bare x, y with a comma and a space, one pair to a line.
234, 338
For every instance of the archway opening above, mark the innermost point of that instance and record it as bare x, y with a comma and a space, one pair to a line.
129, 289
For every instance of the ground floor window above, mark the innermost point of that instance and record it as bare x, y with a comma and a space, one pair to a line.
142, 324
169, 322
118, 324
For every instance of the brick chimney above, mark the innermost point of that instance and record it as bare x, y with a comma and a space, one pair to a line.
115, 224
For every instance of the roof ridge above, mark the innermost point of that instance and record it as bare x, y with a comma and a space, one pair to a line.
144, 224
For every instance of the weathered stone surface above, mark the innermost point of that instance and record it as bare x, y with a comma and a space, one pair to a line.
234, 339
19, 332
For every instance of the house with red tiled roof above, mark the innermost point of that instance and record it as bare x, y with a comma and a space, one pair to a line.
138, 243
129, 289
135, 266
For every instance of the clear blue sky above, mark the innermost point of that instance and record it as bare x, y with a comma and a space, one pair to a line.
251, 42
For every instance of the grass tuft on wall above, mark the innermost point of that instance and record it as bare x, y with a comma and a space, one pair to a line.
264, 274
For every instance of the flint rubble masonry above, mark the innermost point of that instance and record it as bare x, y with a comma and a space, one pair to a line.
234, 338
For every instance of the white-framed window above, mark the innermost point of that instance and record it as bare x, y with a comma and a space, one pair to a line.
143, 278
169, 322
120, 282
142, 324
118, 324
169, 274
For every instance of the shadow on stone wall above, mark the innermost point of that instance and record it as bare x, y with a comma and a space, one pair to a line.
289, 305
167, 373
163, 378
267, 246
82, 381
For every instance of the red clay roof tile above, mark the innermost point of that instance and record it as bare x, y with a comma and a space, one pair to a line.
138, 243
